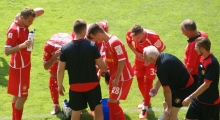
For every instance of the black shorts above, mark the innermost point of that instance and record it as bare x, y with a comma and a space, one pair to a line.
79, 100
202, 112
179, 95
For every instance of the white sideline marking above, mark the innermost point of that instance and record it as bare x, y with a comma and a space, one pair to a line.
134, 110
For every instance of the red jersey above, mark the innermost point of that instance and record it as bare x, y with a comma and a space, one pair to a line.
104, 25
115, 52
15, 36
54, 44
150, 38
191, 57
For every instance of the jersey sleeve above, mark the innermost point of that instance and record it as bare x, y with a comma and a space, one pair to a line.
163, 77
12, 37
129, 37
119, 49
96, 52
48, 52
156, 41
62, 54
210, 73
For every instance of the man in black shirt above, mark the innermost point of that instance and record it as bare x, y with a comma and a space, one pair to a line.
79, 57
205, 106
176, 81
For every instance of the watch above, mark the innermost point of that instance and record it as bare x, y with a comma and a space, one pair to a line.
191, 97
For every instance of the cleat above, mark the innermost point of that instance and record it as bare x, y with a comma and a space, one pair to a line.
141, 105
143, 114
55, 110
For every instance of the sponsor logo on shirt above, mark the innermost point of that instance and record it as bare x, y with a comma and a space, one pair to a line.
118, 50
10, 35
177, 100
157, 44
203, 72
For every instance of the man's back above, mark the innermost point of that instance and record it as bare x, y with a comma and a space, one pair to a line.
80, 56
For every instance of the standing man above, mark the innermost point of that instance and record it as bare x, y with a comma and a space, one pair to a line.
20, 63
205, 100
191, 57
79, 57
176, 81
121, 73
137, 38
50, 58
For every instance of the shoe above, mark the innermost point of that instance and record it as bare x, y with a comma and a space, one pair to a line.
143, 114
55, 110
140, 106
161, 117
91, 113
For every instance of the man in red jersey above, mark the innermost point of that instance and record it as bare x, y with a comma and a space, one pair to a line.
121, 72
191, 57
51, 54
137, 38
79, 58
20, 63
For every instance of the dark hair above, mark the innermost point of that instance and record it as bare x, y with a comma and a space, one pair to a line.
189, 25
203, 42
79, 25
94, 29
28, 12
136, 29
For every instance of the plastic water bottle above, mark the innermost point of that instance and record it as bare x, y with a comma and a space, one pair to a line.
31, 38
66, 109
65, 103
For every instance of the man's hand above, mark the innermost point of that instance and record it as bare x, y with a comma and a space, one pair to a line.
61, 90
115, 82
167, 112
57, 53
186, 101
153, 92
139, 56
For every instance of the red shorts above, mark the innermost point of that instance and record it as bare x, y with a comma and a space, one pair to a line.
141, 69
19, 81
120, 92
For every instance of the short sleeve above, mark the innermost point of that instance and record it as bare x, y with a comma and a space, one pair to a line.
129, 37
12, 38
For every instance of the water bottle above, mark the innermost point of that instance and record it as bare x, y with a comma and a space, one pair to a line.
65, 103
30, 37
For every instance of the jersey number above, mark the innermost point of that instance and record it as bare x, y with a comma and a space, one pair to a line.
115, 90
152, 71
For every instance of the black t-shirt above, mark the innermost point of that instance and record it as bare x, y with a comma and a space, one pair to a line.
171, 71
209, 72
80, 56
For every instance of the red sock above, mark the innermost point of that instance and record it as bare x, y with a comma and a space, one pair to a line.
54, 90
111, 115
116, 110
141, 85
18, 114
147, 90
13, 110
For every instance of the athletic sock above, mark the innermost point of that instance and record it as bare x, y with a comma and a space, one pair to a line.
148, 86
116, 111
18, 114
13, 110
141, 85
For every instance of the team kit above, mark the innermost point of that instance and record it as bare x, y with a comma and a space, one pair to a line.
91, 49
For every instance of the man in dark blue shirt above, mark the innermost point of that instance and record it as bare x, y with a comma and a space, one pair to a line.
176, 81
205, 106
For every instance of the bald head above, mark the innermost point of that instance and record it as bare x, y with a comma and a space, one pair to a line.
151, 54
